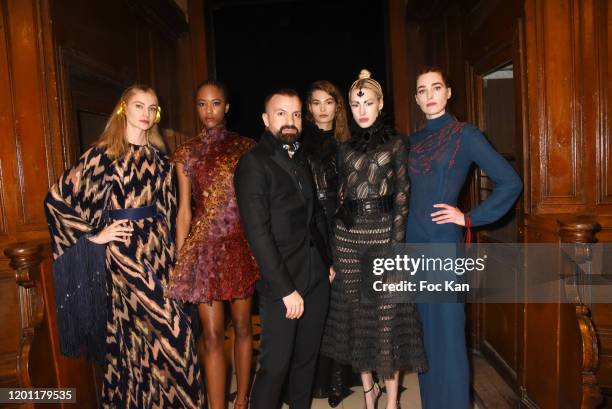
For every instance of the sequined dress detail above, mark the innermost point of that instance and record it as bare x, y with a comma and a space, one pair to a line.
215, 262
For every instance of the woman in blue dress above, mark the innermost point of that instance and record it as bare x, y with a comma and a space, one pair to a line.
439, 161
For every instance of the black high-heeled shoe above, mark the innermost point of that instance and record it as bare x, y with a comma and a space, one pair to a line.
336, 385
377, 393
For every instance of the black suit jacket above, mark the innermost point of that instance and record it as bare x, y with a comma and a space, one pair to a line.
281, 218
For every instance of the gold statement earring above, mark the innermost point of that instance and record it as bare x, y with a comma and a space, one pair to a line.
121, 109
158, 115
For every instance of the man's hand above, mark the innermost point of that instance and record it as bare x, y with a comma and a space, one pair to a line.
294, 304
332, 273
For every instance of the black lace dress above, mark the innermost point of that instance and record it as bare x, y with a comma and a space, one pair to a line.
369, 334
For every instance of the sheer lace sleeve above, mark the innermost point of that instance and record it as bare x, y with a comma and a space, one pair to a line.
402, 185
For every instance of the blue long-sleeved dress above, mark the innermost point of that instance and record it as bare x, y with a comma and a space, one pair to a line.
438, 164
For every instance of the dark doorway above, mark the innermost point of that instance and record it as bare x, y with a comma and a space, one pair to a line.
261, 45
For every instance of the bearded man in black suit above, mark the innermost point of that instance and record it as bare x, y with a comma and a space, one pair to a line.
286, 231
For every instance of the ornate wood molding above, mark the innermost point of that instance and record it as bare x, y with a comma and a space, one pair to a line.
25, 259
584, 231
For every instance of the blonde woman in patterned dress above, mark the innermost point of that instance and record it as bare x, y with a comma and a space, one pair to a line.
214, 262
110, 219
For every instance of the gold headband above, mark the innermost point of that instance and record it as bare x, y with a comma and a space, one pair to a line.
365, 80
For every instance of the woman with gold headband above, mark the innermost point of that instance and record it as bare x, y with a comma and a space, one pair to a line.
371, 334
111, 219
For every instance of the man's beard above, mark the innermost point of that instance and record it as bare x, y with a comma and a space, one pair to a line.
287, 137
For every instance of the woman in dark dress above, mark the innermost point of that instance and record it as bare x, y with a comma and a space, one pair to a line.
214, 261
371, 335
438, 164
110, 218
325, 128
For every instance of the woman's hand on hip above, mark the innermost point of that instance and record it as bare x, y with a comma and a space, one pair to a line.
119, 230
448, 214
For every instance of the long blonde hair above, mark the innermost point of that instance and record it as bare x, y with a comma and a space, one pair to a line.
114, 138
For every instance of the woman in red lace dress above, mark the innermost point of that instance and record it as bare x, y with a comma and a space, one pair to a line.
214, 261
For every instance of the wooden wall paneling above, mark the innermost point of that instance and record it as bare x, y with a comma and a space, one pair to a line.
145, 38
539, 379
522, 124
185, 87
490, 26
3, 221
554, 89
602, 318
10, 325
53, 134
105, 31
586, 26
164, 63
144, 58
30, 111
400, 71
26, 263
198, 36
601, 15
28, 123
7, 147
596, 45
85, 85
578, 383
537, 376
570, 124
455, 61
602, 24
522, 135
36, 103
551, 374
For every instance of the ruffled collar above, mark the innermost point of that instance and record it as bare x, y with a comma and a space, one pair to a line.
364, 139
314, 138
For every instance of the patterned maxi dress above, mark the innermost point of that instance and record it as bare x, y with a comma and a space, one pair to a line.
145, 340
371, 335
215, 263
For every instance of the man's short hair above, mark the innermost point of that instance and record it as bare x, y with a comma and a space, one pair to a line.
287, 92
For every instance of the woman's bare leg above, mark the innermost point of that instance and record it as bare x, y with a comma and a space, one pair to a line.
243, 345
213, 334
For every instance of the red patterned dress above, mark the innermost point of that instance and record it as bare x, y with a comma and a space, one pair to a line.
215, 262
